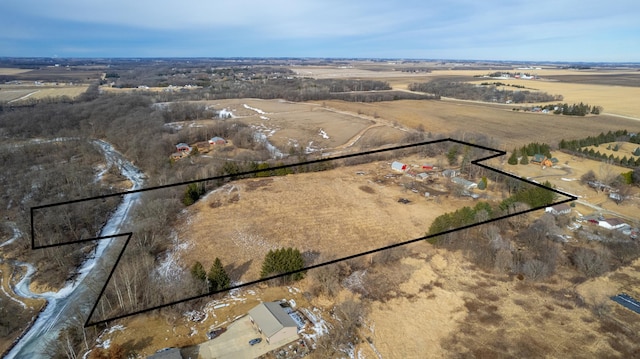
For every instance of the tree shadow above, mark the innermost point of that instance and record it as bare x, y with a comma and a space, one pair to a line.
236, 272
137, 346
190, 352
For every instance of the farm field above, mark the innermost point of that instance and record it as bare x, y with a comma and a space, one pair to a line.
510, 129
12, 71
614, 99
17, 93
601, 87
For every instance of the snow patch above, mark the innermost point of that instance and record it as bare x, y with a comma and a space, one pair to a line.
169, 268
264, 118
16, 234
323, 134
254, 109
10, 296
224, 113
319, 328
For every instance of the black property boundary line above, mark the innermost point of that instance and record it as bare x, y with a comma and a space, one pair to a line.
128, 235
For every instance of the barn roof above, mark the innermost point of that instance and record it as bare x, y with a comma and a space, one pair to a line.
271, 318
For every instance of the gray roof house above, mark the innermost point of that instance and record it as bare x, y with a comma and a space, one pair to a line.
273, 321
466, 183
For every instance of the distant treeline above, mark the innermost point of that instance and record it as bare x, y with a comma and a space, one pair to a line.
466, 91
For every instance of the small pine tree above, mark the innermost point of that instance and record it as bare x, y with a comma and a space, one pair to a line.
513, 160
198, 272
218, 277
482, 185
524, 160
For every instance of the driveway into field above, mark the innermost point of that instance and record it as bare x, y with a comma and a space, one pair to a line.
234, 343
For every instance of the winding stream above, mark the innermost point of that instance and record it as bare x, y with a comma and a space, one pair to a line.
74, 301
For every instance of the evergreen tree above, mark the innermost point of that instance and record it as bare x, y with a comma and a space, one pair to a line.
513, 160
283, 260
198, 272
218, 277
192, 193
524, 160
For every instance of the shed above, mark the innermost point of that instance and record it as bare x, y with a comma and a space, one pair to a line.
465, 183
450, 173
398, 166
422, 176
558, 209
217, 141
273, 321
427, 166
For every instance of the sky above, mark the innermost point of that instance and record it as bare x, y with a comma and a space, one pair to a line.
529, 30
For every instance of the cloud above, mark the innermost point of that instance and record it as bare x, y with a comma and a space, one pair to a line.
353, 28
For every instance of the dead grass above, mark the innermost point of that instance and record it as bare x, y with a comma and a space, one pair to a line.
17, 92
511, 129
12, 71
335, 213
626, 149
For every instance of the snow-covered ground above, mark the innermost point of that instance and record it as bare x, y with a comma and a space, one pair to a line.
71, 299
16, 234
224, 113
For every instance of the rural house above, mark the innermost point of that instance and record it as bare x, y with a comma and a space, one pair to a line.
558, 209
217, 141
183, 147
612, 223
274, 322
398, 166
538, 158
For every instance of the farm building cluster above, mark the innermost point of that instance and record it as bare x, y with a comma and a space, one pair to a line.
183, 149
611, 223
428, 173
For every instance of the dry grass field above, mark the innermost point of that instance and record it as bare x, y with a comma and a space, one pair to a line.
614, 99
626, 149
567, 178
508, 128
303, 125
12, 71
333, 213
17, 93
